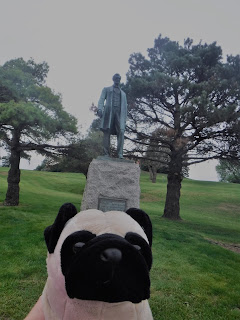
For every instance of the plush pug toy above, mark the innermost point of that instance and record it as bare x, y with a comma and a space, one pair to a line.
98, 265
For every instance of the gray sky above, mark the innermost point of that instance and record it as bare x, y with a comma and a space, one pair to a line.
86, 42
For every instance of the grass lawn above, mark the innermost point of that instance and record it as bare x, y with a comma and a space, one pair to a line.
192, 277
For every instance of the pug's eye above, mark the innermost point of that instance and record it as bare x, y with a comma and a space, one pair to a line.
77, 246
135, 240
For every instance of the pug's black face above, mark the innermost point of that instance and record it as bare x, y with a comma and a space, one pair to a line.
107, 267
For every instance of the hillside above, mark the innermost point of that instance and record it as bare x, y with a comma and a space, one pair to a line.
193, 275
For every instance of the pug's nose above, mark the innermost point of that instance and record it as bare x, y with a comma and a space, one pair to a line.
112, 255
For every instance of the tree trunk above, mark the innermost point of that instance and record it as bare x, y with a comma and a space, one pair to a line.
172, 206
153, 173
150, 172
12, 196
154, 179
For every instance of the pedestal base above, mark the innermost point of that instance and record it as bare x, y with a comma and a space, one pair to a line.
112, 185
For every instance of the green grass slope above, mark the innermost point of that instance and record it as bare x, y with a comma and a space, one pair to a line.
192, 278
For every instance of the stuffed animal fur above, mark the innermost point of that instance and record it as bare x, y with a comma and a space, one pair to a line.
98, 265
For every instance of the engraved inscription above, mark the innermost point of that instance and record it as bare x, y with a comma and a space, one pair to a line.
111, 204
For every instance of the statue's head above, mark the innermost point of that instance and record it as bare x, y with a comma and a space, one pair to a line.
116, 78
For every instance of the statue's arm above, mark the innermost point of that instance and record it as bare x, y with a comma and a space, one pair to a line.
102, 99
101, 102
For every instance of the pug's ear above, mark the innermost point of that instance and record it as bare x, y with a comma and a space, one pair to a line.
143, 219
52, 233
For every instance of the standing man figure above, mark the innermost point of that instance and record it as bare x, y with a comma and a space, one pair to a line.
113, 115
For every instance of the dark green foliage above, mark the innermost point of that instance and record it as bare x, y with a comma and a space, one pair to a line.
191, 97
36, 110
31, 115
78, 155
95, 126
229, 171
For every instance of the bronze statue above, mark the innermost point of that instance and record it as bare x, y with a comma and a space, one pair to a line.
113, 115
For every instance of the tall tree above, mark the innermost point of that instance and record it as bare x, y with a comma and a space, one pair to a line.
155, 157
229, 171
194, 96
31, 116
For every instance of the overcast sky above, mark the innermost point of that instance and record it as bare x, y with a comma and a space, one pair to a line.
86, 42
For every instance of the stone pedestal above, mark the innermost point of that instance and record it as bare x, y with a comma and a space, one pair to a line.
112, 184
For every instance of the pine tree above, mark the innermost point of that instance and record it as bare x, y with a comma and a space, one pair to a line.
194, 96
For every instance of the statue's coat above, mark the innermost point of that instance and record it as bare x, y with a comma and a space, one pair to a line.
107, 94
